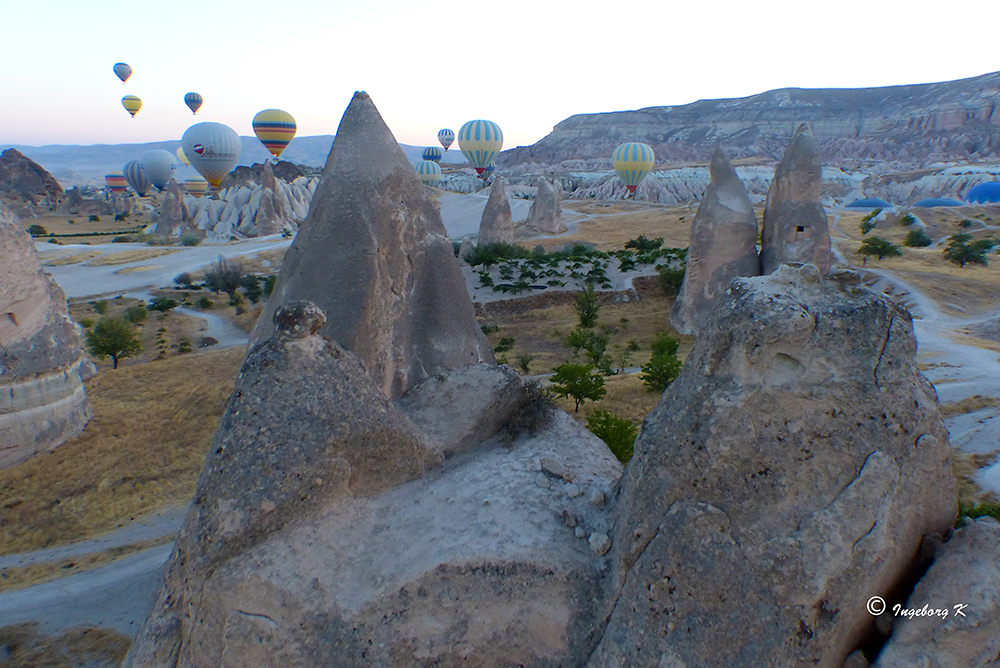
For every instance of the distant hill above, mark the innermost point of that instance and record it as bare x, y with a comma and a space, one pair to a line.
87, 165
911, 125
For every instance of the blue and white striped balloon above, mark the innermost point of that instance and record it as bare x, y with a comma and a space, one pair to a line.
480, 142
446, 137
428, 171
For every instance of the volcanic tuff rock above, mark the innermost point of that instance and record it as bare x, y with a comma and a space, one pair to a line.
795, 227
787, 475
966, 572
496, 224
42, 400
723, 247
27, 179
173, 212
545, 214
374, 254
916, 125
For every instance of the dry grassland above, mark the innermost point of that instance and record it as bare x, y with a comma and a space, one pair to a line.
626, 396
135, 255
59, 259
28, 647
142, 450
612, 229
968, 405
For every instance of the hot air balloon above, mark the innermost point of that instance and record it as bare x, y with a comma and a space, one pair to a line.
488, 170
180, 156
480, 142
135, 178
132, 104
196, 187
446, 137
193, 101
158, 166
428, 171
123, 71
633, 161
433, 153
213, 149
275, 129
116, 182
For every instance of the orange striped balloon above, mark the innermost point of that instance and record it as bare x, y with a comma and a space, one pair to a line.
116, 182
275, 129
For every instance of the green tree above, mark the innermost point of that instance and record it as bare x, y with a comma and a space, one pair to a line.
587, 306
577, 381
663, 366
136, 314
113, 338
37, 231
962, 250
671, 278
251, 287
162, 304
879, 247
617, 432
642, 244
225, 276
907, 219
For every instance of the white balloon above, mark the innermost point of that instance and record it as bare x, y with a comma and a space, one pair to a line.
213, 149
158, 166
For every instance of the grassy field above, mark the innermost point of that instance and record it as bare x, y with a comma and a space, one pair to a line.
620, 221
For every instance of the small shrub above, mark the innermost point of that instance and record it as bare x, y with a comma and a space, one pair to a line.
671, 278
617, 432
489, 329
94, 218
100, 307
269, 285
190, 239
120, 217
124, 239
965, 223
86, 323
985, 509
184, 346
524, 362
162, 304
37, 231
136, 314
184, 280
505, 344
642, 244
205, 303
907, 219
917, 239
251, 287
663, 366
532, 413
587, 306
490, 254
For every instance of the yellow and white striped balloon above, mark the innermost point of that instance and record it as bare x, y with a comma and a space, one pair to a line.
132, 104
428, 171
633, 161
480, 142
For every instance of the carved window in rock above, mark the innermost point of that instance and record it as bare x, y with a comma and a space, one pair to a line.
802, 233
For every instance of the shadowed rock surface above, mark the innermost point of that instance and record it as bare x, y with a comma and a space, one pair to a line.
723, 247
795, 227
173, 212
375, 256
786, 476
545, 214
27, 179
966, 572
497, 223
42, 400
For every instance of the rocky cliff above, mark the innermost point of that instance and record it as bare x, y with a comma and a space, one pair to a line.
915, 124
26, 179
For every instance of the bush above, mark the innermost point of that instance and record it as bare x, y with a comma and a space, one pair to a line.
671, 279
86, 323
962, 250
617, 432
205, 303
577, 381
907, 219
505, 344
136, 314
251, 287
532, 413
184, 280
113, 338
190, 239
965, 223
587, 306
120, 217
524, 361
642, 244
125, 239
94, 218
37, 231
269, 285
879, 247
917, 239
162, 304
225, 276
100, 307
985, 509
184, 346
663, 366
490, 254
157, 240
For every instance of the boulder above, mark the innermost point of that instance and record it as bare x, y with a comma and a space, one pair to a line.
496, 224
787, 475
951, 618
372, 243
465, 248
545, 214
42, 364
795, 227
723, 247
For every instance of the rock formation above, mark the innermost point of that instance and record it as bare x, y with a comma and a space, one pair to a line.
371, 243
42, 400
954, 619
271, 217
253, 209
173, 213
795, 227
27, 179
546, 213
496, 224
723, 247
786, 476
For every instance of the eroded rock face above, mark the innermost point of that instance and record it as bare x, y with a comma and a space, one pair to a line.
787, 475
723, 247
795, 227
545, 214
955, 620
373, 241
27, 179
173, 212
42, 400
497, 223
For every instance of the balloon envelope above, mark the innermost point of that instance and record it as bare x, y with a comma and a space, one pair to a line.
213, 149
116, 182
446, 137
193, 101
135, 178
433, 153
123, 71
158, 166
275, 129
132, 104
428, 171
488, 170
633, 161
480, 142
196, 187
180, 156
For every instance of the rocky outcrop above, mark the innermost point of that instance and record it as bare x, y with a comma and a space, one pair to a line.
27, 179
374, 252
913, 125
253, 210
173, 213
546, 213
497, 223
951, 617
723, 247
42, 399
786, 476
253, 175
795, 227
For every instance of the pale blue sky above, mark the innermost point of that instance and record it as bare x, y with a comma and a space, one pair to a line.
525, 64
